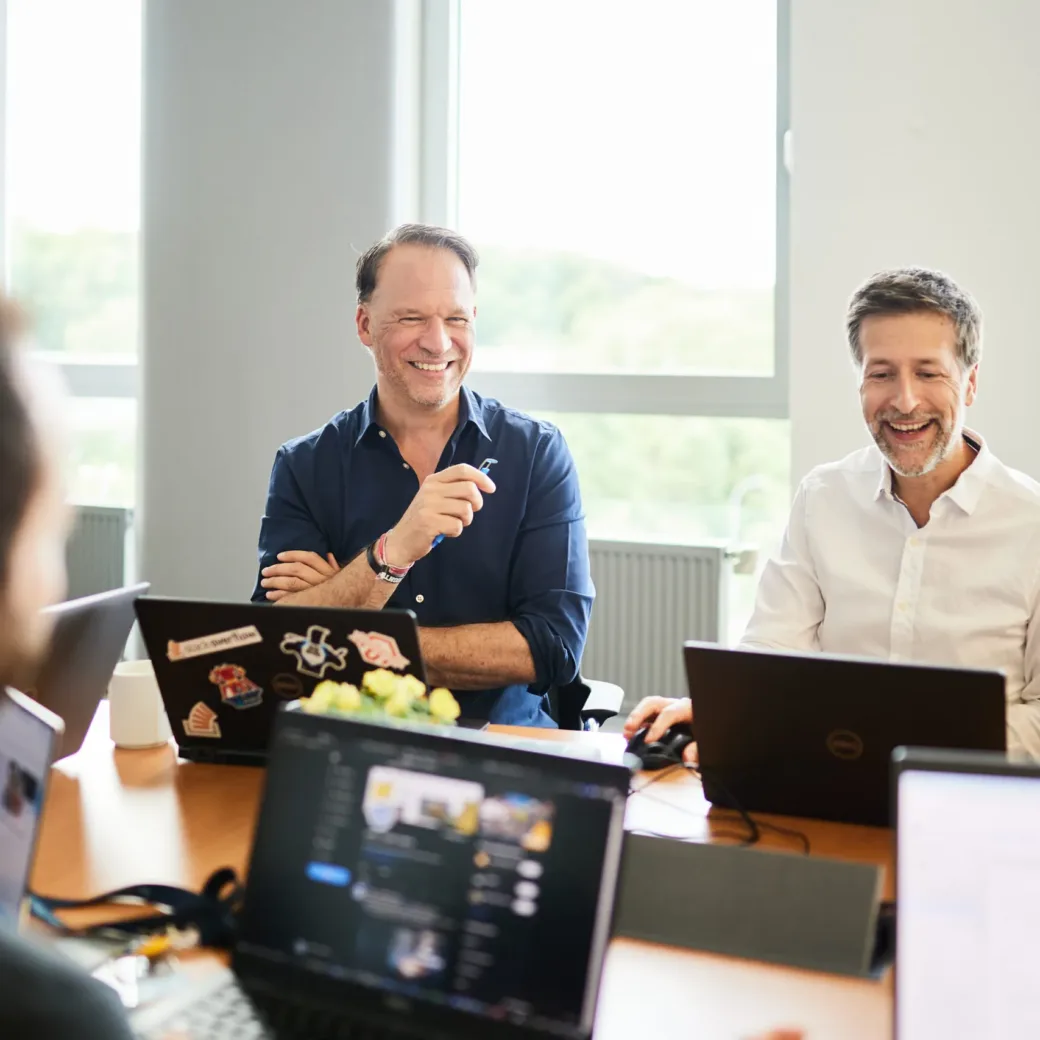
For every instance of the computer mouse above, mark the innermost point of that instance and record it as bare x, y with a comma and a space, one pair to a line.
659, 754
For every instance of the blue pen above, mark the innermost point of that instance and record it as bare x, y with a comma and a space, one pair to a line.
484, 467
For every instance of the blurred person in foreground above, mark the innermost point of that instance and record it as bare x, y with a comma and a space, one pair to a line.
41, 995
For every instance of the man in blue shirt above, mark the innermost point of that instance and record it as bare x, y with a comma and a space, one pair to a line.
354, 508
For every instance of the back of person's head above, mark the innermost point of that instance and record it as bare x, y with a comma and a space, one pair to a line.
32, 511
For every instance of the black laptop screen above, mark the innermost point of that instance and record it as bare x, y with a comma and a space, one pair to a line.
443, 872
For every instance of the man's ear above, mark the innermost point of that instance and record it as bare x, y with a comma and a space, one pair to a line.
972, 387
363, 321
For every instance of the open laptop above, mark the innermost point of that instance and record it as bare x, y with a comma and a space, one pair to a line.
87, 642
967, 896
812, 735
224, 668
421, 884
29, 734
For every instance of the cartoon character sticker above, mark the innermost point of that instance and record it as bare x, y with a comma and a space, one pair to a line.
201, 722
236, 688
378, 650
313, 653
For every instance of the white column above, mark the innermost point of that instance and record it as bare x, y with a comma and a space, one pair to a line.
271, 140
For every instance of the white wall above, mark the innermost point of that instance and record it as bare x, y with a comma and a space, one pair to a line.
916, 141
269, 146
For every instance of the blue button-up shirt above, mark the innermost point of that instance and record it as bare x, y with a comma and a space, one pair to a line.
524, 558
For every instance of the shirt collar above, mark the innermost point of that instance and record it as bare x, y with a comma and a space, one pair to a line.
471, 410
968, 489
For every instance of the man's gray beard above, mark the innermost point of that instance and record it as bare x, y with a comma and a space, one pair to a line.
945, 442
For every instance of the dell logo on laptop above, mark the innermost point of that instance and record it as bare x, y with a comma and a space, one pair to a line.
843, 743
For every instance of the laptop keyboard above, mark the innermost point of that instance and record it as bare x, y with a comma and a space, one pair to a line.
228, 1013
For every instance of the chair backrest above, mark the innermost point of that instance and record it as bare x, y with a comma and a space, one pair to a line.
566, 703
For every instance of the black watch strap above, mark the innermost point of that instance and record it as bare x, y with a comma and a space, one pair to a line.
381, 572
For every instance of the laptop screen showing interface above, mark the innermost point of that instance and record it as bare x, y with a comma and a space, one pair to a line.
446, 872
27, 739
968, 883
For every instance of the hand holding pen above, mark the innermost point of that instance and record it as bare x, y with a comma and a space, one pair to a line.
443, 508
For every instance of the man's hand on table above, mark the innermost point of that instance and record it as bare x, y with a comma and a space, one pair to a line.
660, 714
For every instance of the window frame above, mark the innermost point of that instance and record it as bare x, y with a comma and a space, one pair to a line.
757, 397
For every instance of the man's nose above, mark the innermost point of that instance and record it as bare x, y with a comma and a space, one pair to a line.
435, 338
906, 396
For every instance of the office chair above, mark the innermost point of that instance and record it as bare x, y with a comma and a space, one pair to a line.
584, 704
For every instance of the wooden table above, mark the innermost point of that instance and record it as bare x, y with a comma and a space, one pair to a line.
115, 818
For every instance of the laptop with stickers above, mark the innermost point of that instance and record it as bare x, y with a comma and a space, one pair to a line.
407, 882
224, 668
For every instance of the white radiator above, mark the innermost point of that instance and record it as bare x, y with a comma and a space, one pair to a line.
96, 555
649, 599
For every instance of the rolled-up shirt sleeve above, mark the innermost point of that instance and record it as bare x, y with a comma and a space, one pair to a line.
550, 589
288, 522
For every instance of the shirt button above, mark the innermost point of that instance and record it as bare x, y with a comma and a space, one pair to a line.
406, 466
419, 598
901, 607
382, 433
915, 542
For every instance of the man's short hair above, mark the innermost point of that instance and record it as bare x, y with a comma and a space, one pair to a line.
908, 290
19, 452
428, 235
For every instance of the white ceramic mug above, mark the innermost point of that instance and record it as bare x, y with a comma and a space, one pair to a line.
136, 716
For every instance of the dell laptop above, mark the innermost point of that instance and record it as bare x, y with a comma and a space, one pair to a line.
414, 882
967, 892
224, 668
87, 642
812, 735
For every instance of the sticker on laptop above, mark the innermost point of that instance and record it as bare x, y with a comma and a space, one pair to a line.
217, 643
287, 685
379, 650
313, 652
236, 688
201, 722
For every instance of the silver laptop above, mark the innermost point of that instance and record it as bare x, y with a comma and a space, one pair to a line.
87, 643
967, 896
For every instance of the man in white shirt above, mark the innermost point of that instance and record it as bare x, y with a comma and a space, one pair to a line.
922, 547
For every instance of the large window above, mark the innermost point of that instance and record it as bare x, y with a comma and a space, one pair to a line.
617, 166
73, 87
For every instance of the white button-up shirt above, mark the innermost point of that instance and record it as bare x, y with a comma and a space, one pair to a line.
855, 575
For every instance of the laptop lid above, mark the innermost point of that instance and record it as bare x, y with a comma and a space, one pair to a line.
967, 893
28, 737
399, 870
87, 642
224, 668
812, 734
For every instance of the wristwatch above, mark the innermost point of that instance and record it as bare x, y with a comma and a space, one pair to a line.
382, 571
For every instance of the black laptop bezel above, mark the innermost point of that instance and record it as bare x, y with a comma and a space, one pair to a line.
936, 760
257, 972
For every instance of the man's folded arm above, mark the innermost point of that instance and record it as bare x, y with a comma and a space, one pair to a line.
287, 522
789, 605
1023, 716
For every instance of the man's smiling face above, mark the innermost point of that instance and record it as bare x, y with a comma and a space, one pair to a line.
913, 388
418, 324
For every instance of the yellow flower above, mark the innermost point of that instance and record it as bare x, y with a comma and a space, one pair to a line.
398, 704
321, 698
380, 683
348, 698
443, 705
411, 687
